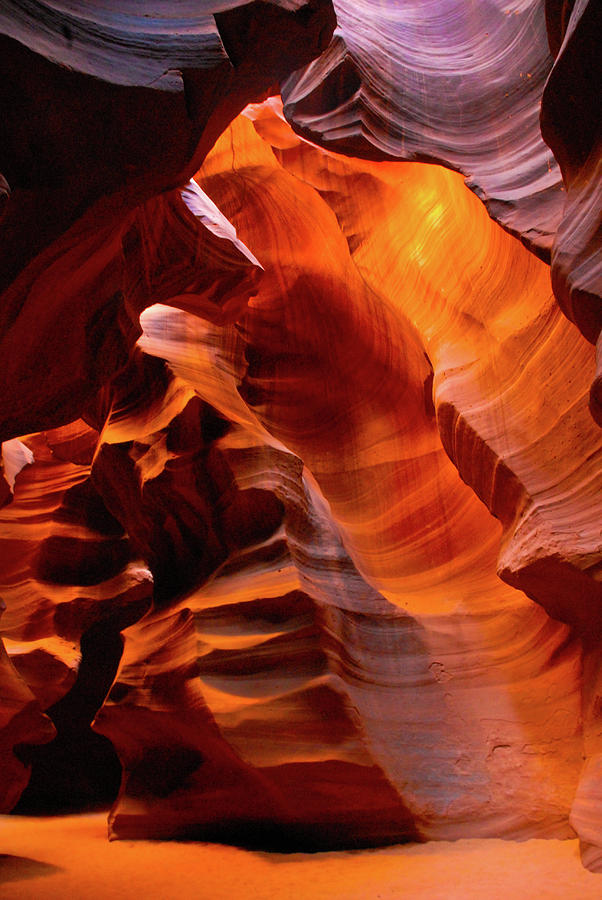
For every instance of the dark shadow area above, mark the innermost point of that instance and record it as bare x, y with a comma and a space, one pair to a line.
79, 769
265, 836
19, 868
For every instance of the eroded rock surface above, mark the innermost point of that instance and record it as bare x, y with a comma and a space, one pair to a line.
21, 722
84, 180
443, 81
294, 645
300, 489
408, 624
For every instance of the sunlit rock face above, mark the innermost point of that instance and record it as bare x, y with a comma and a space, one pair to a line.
447, 81
101, 113
462, 85
323, 686
300, 494
466, 693
104, 117
69, 580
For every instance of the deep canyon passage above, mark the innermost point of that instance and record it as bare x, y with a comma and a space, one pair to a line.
300, 421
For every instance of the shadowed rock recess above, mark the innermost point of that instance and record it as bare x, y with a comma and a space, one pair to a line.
301, 471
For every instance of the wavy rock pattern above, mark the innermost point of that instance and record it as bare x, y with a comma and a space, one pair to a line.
79, 208
263, 546
214, 791
288, 631
67, 561
585, 814
422, 246
90, 226
118, 270
351, 429
444, 81
67, 575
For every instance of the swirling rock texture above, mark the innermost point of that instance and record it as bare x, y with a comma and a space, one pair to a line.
446, 81
461, 84
320, 552
68, 580
104, 117
101, 113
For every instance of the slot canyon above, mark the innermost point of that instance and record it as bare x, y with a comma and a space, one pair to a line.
301, 449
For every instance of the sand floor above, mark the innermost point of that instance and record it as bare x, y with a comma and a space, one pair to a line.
70, 857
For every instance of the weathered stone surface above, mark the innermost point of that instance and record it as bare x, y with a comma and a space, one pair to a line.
271, 436
66, 561
67, 573
477, 300
89, 192
446, 82
383, 631
585, 814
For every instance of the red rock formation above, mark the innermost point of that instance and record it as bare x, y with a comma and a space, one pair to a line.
21, 723
263, 547
471, 338
67, 563
368, 437
265, 668
82, 224
81, 205
67, 571
442, 81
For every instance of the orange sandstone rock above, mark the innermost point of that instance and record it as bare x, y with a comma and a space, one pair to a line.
379, 586
263, 547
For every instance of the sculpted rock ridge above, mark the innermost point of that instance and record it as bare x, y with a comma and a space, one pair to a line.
301, 472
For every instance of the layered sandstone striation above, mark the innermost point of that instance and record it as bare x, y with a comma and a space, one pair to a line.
289, 623
444, 81
81, 179
104, 117
300, 493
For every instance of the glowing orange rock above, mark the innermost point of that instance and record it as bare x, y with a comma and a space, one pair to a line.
85, 219
269, 537
377, 594
66, 561
429, 254
67, 575
585, 814
441, 82
264, 666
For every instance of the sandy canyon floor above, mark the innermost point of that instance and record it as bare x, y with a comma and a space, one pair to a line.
70, 856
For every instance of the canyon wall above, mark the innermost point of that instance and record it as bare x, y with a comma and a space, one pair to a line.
301, 480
